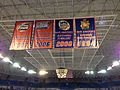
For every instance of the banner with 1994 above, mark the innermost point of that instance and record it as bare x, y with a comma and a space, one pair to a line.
85, 33
63, 33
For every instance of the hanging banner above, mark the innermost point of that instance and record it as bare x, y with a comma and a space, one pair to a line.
43, 34
63, 33
86, 33
22, 35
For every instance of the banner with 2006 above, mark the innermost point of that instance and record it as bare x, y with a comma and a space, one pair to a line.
63, 33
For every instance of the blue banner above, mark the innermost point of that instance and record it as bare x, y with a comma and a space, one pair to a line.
64, 33
86, 33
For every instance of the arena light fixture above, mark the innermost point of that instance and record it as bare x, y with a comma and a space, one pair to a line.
1, 56
6, 59
109, 68
102, 71
119, 60
115, 63
16, 65
23, 69
43, 72
91, 72
87, 72
31, 72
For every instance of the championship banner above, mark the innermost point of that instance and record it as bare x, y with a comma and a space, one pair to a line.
43, 34
86, 33
22, 35
64, 33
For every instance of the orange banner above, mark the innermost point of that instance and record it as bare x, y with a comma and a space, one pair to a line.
43, 34
22, 35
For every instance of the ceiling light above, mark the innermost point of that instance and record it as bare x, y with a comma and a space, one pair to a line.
31, 72
115, 63
91, 72
109, 68
23, 69
16, 65
43, 72
1, 56
6, 59
102, 71
87, 72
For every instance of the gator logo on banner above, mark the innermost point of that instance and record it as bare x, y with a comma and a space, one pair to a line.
64, 25
85, 24
63, 33
22, 35
43, 34
86, 33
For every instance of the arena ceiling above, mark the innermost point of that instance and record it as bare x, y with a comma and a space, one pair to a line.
106, 13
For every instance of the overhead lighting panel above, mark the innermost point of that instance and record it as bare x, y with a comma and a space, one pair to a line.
109, 68
91, 72
23, 69
31, 72
1, 56
16, 65
6, 59
43, 72
102, 71
115, 63
87, 72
